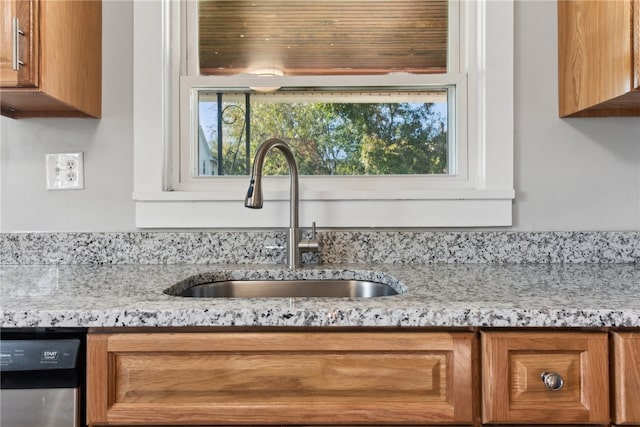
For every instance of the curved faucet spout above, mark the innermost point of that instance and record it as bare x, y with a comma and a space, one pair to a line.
254, 198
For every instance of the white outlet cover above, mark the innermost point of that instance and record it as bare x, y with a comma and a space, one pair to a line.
65, 171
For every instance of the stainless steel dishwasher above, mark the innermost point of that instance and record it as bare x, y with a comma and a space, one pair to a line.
42, 377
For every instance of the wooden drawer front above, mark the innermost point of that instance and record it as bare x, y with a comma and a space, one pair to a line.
280, 378
513, 389
626, 377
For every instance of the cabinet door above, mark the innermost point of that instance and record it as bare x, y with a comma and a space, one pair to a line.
545, 378
280, 378
598, 58
18, 15
626, 377
636, 45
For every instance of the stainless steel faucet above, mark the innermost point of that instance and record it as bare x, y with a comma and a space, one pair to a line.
295, 244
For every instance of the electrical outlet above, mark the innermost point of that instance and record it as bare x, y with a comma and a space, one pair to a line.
65, 171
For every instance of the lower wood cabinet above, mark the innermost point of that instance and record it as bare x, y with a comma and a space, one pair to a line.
402, 377
280, 378
626, 377
545, 378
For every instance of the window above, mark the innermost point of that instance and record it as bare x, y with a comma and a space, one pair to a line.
330, 133
189, 162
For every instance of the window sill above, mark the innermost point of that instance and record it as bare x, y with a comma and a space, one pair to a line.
469, 208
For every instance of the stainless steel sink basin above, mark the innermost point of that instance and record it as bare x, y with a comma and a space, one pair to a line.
289, 289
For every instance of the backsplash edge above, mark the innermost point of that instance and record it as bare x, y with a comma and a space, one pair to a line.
267, 247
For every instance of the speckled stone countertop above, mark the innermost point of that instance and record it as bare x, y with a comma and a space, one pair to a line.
449, 295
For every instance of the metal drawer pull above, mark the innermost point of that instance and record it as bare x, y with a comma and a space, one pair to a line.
552, 381
17, 33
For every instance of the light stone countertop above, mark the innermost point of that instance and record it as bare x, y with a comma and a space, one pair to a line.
436, 295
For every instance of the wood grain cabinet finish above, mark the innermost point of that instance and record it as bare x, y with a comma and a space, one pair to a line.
22, 14
280, 378
599, 58
60, 52
626, 377
514, 392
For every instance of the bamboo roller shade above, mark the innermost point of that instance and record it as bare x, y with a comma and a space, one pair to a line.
322, 37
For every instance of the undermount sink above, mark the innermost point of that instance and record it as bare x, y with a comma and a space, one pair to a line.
327, 288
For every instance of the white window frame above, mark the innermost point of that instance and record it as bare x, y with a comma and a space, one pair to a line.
481, 197
184, 166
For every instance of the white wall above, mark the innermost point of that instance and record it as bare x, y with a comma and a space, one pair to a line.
571, 174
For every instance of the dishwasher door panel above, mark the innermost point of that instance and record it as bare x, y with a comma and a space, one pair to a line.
46, 407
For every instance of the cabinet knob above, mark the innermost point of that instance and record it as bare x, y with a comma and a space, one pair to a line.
552, 381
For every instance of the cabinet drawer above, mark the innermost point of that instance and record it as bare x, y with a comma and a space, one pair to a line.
515, 363
626, 377
280, 378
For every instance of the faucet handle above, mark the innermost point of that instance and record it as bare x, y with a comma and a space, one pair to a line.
310, 245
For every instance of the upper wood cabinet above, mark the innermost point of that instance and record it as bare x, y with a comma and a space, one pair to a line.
295, 378
51, 58
599, 58
545, 378
626, 378
17, 48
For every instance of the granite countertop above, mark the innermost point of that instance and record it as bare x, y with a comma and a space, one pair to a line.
436, 295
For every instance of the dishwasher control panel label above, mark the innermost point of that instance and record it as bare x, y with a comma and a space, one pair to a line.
49, 355
37, 355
